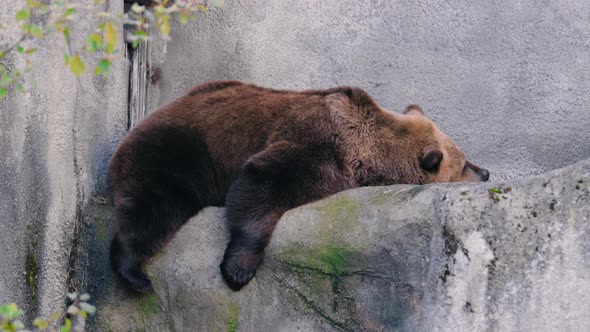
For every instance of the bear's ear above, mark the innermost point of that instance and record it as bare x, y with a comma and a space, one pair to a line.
413, 109
350, 108
352, 99
431, 159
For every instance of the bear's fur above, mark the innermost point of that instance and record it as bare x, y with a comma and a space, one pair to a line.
261, 152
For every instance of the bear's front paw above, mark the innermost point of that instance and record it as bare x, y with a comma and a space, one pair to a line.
238, 269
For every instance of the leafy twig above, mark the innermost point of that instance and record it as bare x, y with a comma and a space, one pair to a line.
103, 42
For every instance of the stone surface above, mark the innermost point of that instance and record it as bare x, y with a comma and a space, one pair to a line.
505, 256
508, 80
55, 142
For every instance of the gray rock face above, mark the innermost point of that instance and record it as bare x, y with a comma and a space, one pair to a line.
55, 142
510, 256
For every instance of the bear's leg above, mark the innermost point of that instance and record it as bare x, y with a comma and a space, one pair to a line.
159, 177
143, 231
279, 178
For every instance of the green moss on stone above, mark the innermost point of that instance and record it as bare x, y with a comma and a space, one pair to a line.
322, 273
232, 320
341, 215
323, 263
31, 270
334, 257
340, 210
326, 259
335, 248
147, 305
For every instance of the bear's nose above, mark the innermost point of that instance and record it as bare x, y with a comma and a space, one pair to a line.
485, 175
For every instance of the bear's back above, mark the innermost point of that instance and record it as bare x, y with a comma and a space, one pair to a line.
236, 120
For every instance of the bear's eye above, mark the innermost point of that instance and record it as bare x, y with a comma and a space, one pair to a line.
431, 160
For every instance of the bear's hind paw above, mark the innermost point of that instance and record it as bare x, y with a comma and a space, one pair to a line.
137, 281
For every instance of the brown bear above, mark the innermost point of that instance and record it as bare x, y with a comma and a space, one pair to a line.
261, 152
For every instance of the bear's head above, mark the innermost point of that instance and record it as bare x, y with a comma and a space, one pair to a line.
393, 148
436, 156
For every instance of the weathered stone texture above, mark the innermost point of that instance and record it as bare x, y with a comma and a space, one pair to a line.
509, 256
55, 141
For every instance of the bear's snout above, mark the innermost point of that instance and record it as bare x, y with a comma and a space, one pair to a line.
476, 174
484, 174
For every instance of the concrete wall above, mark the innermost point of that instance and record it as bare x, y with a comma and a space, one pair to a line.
508, 80
55, 143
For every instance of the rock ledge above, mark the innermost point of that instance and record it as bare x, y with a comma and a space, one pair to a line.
495, 256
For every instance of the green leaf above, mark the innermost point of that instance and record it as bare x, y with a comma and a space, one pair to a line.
20, 49
33, 4
19, 87
165, 25
66, 59
36, 31
495, 190
70, 11
101, 68
26, 28
94, 41
77, 67
67, 326
110, 38
8, 311
31, 50
2, 93
54, 316
5, 80
183, 19
135, 43
22, 15
67, 33
41, 324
